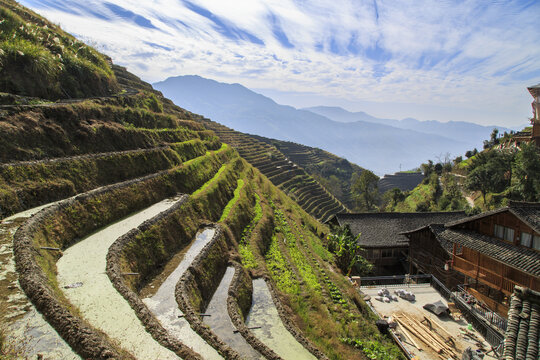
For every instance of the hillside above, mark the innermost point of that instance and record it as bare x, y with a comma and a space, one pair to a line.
378, 147
38, 59
124, 198
485, 180
296, 181
333, 172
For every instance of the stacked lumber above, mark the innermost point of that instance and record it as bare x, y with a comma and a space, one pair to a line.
430, 333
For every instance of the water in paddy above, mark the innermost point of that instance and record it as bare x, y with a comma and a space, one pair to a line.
164, 307
272, 333
29, 334
220, 322
98, 301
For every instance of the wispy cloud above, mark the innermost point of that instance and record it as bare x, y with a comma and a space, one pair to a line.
446, 54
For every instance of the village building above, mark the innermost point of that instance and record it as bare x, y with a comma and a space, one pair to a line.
430, 253
531, 134
492, 252
381, 236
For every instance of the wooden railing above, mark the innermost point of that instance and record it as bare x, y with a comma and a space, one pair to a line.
488, 277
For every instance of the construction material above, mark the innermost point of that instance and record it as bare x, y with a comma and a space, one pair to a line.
430, 333
409, 337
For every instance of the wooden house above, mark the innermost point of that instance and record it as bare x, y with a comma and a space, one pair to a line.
381, 235
493, 251
430, 253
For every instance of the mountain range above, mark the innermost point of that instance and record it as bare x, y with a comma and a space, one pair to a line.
381, 145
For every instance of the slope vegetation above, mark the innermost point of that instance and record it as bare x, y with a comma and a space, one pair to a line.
333, 172
283, 171
108, 159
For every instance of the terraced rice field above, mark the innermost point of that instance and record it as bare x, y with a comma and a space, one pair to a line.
269, 328
283, 172
86, 285
164, 307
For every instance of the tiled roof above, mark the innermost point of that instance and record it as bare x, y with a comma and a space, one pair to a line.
385, 229
522, 334
527, 212
518, 257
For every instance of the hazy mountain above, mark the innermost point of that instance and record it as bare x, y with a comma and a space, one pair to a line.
379, 147
465, 131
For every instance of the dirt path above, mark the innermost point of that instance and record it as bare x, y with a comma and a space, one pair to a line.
98, 301
164, 307
29, 334
273, 333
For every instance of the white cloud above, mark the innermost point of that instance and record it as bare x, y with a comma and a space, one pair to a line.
445, 54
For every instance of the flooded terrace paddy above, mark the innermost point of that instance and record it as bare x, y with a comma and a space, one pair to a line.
98, 301
163, 303
273, 333
29, 333
221, 323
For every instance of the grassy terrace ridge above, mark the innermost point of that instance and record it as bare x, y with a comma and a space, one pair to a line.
233, 201
281, 171
38, 59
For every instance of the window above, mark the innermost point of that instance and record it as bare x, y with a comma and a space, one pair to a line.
387, 253
509, 234
499, 231
536, 242
503, 232
526, 239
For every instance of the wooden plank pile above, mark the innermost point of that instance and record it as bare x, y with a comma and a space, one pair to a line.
430, 333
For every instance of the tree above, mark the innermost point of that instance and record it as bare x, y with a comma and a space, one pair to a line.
346, 249
427, 168
365, 189
526, 171
491, 172
478, 180
494, 137
396, 196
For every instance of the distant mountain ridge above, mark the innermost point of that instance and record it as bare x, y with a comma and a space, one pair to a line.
375, 146
454, 129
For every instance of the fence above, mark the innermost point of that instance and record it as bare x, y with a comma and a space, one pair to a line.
486, 315
489, 324
394, 281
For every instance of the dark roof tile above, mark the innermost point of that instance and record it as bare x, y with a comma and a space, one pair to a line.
527, 212
522, 334
518, 257
385, 229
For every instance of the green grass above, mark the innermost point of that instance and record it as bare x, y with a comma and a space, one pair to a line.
232, 202
39, 59
279, 270
209, 182
244, 247
299, 260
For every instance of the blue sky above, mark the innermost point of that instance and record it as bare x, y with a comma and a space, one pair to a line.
445, 60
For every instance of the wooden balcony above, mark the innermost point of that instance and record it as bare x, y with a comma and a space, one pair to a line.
486, 276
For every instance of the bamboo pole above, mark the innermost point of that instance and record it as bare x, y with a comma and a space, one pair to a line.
409, 336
